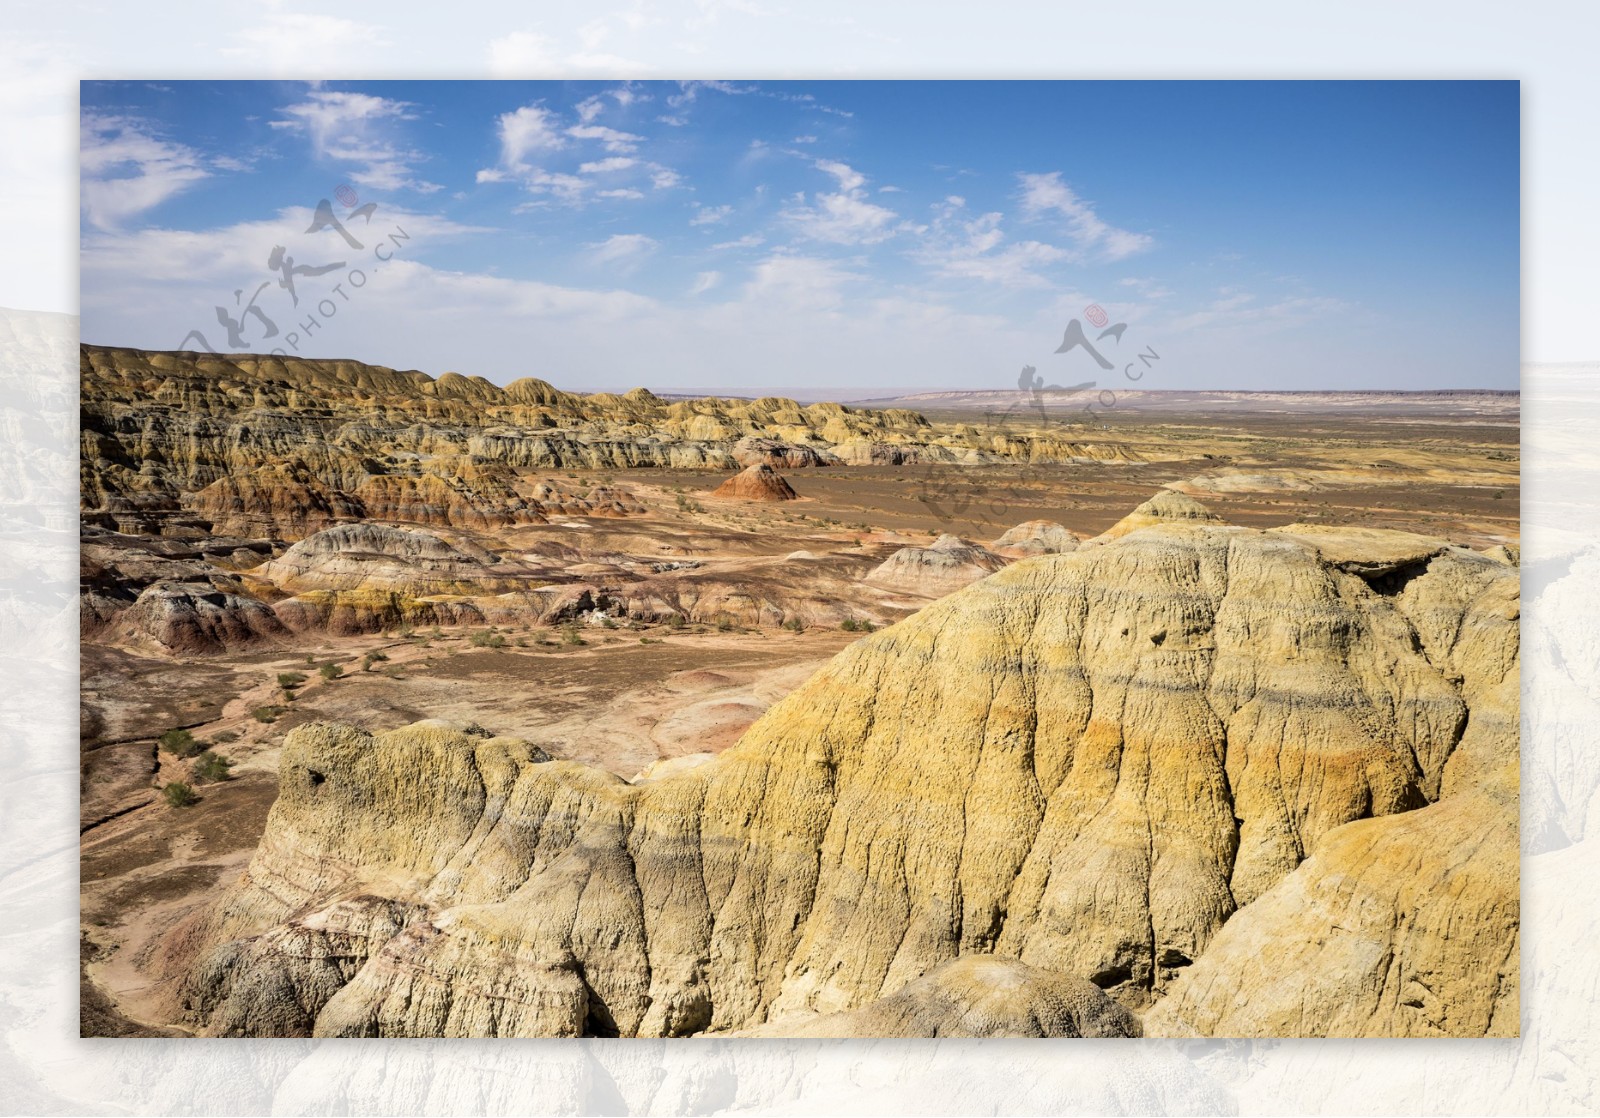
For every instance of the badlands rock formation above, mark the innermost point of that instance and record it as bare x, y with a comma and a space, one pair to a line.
948, 564
759, 482
1232, 779
1034, 537
255, 445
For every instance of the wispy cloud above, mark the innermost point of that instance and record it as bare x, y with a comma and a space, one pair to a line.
126, 170
958, 246
749, 240
611, 138
358, 131
843, 216
626, 249
710, 215
1046, 195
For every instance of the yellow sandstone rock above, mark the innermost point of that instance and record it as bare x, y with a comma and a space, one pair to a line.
1232, 783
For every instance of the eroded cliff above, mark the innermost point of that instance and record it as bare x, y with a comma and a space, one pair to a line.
1244, 782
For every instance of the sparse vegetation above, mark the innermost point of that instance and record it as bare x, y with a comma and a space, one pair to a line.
794, 625
179, 794
371, 658
676, 621
181, 743
570, 635
724, 624
290, 680
211, 767
851, 625
486, 639
330, 672
266, 714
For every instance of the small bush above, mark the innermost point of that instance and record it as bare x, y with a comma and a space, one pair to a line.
849, 625
211, 767
290, 680
226, 736
487, 640
179, 794
267, 714
676, 621
181, 743
330, 672
724, 625
371, 658
570, 635
794, 625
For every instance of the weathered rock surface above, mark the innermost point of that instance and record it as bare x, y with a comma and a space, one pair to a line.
1034, 537
759, 482
1203, 767
1167, 506
977, 996
946, 565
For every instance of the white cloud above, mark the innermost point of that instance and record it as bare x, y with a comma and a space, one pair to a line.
1044, 194
710, 215
622, 248
126, 170
610, 137
622, 192
705, 281
355, 129
808, 139
607, 166
962, 247
844, 217
749, 240
663, 178
530, 130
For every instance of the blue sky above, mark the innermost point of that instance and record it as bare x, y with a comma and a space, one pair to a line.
841, 239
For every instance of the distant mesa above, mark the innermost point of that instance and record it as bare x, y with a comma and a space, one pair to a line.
759, 482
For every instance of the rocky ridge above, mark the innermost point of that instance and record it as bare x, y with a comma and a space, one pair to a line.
257, 445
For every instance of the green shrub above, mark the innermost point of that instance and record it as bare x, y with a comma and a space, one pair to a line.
371, 658
482, 639
267, 714
211, 767
794, 625
330, 672
849, 625
181, 743
290, 680
179, 794
676, 621
570, 635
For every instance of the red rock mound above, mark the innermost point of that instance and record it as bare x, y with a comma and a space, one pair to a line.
759, 482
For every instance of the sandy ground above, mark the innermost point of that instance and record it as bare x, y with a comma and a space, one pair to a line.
628, 697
